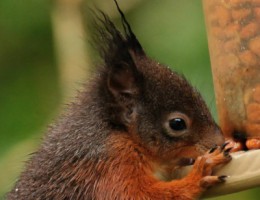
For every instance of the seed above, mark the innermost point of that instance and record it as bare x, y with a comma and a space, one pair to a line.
252, 129
257, 13
218, 33
229, 61
223, 14
232, 45
240, 14
254, 45
250, 30
256, 94
232, 30
253, 143
255, 2
253, 112
248, 58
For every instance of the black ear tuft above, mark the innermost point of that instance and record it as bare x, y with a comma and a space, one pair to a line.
131, 39
111, 43
116, 53
119, 52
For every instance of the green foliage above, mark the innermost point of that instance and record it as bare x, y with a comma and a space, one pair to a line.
28, 81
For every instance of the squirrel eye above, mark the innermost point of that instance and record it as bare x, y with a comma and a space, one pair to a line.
177, 124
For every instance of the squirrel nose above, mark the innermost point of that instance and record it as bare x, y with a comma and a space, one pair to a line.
218, 136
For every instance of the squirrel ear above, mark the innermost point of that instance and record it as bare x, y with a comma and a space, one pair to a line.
122, 81
122, 78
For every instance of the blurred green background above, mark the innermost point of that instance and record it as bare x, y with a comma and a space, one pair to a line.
31, 81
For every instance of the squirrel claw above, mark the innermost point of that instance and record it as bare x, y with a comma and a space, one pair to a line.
222, 178
209, 181
223, 146
205, 164
213, 149
226, 152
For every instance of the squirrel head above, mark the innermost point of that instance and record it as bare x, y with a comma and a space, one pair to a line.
142, 97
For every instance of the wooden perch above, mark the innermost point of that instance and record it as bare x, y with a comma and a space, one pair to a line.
243, 172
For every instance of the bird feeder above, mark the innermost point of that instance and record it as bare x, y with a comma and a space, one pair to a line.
233, 29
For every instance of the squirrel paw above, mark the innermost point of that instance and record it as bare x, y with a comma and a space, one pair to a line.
205, 164
209, 181
218, 155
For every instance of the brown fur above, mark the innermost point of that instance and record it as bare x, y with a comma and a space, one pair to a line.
112, 142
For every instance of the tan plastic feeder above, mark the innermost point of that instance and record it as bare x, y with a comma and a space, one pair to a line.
233, 28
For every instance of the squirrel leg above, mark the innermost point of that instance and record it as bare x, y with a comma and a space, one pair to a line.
137, 180
188, 188
200, 178
206, 163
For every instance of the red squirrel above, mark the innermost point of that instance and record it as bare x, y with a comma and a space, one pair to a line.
135, 123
